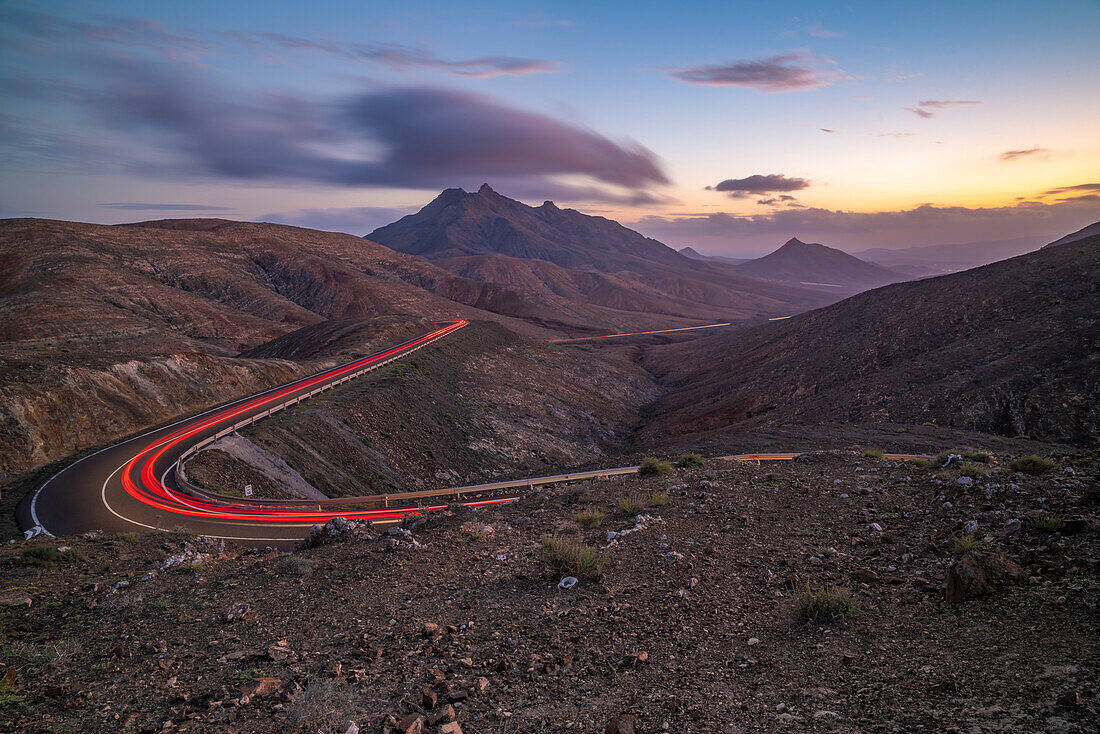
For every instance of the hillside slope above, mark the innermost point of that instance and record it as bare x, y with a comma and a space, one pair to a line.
805, 263
1010, 348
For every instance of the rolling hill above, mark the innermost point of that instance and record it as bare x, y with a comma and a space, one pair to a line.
819, 266
1010, 348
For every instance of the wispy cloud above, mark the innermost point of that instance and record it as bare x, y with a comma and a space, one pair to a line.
781, 73
1011, 155
140, 207
826, 130
394, 56
757, 184
924, 107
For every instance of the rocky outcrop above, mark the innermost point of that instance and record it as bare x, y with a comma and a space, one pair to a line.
978, 574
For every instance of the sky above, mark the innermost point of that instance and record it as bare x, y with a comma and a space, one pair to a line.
726, 126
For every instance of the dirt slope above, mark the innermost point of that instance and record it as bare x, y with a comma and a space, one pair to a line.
1010, 348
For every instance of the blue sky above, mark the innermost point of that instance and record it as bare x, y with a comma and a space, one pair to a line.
854, 124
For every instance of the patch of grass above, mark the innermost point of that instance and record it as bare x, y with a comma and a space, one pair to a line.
827, 551
1032, 464
659, 499
1046, 523
968, 543
40, 555
9, 692
804, 533
977, 455
589, 518
970, 469
573, 557
127, 537
73, 555
246, 675
188, 569
322, 708
873, 454
294, 566
575, 494
686, 461
629, 505
825, 603
652, 466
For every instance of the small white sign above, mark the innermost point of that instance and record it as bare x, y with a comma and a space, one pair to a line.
248, 490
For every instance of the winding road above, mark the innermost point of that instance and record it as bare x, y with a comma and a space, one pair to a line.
138, 484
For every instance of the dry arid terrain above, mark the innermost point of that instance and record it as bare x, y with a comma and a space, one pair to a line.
943, 599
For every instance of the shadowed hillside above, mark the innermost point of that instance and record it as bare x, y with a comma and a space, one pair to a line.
1010, 348
816, 265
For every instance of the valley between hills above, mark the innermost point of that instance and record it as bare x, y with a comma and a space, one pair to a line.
839, 589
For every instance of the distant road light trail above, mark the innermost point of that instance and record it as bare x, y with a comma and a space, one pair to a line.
778, 318
639, 333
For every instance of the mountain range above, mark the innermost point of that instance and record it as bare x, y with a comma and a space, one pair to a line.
490, 238
818, 266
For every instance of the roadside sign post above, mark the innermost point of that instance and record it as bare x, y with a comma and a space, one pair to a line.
248, 490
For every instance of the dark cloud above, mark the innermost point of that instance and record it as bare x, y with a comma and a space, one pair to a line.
826, 130
924, 107
786, 197
782, 73
395, 56
923, 225
767, 202
1011, 155
409, 137
1086, 187
740, 188
138, 207
352, 220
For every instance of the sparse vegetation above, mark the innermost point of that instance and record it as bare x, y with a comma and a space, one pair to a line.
659, 499
295, 566
127, 537
322, 708
970, 469
968, 543
685, 461
873, 454
9, 691
825, 604
573, 557
589, 518
1032, 464
652, 466
40, 555
188, 569
629, 505
977, 455
1046, 523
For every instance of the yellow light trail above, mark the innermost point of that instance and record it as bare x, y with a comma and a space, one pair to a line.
639, 333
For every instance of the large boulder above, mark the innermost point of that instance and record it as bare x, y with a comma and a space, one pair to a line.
978, 574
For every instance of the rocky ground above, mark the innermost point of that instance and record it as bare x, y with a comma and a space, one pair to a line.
690, 615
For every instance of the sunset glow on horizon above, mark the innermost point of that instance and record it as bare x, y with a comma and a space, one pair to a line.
725, 126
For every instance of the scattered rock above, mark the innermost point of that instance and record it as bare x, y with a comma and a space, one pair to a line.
411, 724
622, 724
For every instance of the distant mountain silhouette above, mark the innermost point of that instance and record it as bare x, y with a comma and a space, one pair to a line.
1089, 231
813, 264
488, 237
696, 255
940, 259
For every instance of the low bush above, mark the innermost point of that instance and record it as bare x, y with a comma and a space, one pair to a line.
977, 455
659, 499
653, 466
685, 461
968, 543
41, 555
295, 566
127, 537
826, 603
629, 505
873, 454
1046, 523
589, 518
1032, 464
573, 557
970, 469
